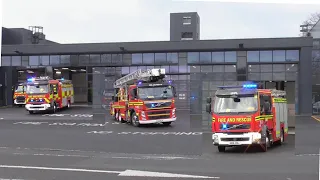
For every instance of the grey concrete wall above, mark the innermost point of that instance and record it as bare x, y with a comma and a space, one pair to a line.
177, 26
161, 46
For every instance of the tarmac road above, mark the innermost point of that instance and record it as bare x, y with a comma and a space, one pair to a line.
60, 148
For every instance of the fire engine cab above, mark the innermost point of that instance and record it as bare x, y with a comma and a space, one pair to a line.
245, 116
19, 94
144, 97
44, 93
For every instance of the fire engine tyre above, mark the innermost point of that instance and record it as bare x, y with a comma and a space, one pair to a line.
31, 112
68, 105
54, 108
281, 141
221, 148
135, 120
267, 143
120, 119
116, 115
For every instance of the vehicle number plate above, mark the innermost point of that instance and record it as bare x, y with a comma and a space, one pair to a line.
234, 143
159, 121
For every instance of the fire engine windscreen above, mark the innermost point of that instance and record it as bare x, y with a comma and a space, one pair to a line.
37, 89
159, 92
20, 89
239, 104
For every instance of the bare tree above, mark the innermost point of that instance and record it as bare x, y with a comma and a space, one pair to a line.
313, 19
309, 23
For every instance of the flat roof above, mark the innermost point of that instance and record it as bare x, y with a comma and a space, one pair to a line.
158, 46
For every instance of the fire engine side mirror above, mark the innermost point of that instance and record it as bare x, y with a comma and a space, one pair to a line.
112, 97
208, 108
209, 100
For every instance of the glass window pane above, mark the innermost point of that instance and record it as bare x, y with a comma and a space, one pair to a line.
106, 58
148, 58
34, 60
253, 68
254, 76
253, 56
206, 68
183, 77
183, 69
25, 60
291, 76
292, 55
230, 76
167, 69
172, 58
279, 76
279, 56
174, 69
174, 77
242, 65
16, 60
230, 68
160, 58
193, 57
44, 60
230, 56
125, 70
65, 59
218, 68
315, 67
116, 59
266, 67
133, 69
217, 57
215, 84
142, 67
266, 76
94, 59
5, 61
194, 69
279, 67
84, 59
136, 58
205, 57
316, 55
265, 56
291, 67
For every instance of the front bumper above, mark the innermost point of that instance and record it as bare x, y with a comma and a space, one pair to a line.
224, 139
157, 121
37, 107
16, 102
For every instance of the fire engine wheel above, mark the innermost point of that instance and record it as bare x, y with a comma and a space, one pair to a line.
31, 112
281, 138
116, 115
120, 119
222, 148
166, 123
54, 108
68, 105
135, 120
266, 144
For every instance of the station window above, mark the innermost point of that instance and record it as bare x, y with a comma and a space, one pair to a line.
217, 57
148, 58
279, 56
186, 20
136, 58
193, 57
265, 56
16, 61
44, 60
253, 56
116, 58
65, 59
34, 60
172, 58
106, 58
160, 58
218, 68
292, 55
6, 60
230, 56
205, 57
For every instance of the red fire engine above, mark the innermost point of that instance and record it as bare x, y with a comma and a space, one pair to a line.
19, 96
44, 94
144, 97
245, 116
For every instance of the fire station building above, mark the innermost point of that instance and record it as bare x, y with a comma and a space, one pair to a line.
197, 66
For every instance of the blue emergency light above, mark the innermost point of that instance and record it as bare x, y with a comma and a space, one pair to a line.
249, 86
152, 105
139, 83
224, 126
62, 79
169, 81
30, 79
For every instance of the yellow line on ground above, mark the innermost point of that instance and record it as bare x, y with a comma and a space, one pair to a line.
316, 118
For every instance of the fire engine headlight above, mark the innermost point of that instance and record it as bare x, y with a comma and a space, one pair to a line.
215, 138
31, 100
174, 111
143, 114
256, 137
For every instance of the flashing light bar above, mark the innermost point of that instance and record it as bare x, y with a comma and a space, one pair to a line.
253, 86
246, 86
31, 79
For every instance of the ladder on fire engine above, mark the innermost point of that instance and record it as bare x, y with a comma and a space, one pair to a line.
278, 93
140, 75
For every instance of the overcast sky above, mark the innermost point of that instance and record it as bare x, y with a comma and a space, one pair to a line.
83, 21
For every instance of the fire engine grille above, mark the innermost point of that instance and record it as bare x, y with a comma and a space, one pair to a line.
235, 126
20, 99
158, 112
159, 117
235, 139
158, 105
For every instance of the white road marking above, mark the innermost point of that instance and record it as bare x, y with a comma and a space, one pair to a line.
130, 173
1, 118
136, 173
11, 179
63, 124
70, 115
319, 165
